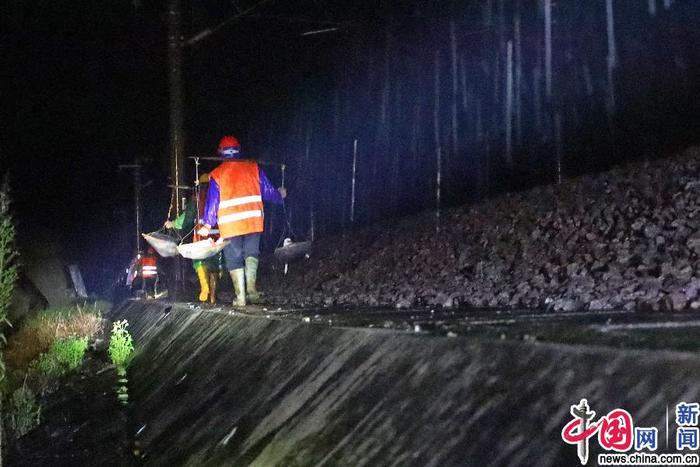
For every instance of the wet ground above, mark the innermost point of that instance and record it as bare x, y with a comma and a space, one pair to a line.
655, 331
84, 424
622, 329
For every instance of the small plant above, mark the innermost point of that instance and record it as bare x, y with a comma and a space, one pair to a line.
121, 345
24, 413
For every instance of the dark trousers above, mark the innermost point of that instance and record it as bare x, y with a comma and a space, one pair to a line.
240, 248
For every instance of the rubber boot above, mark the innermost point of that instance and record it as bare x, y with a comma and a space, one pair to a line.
213, 281
251, 275
238, 279
203, 283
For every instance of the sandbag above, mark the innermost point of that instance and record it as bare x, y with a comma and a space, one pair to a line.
165, 245
202, 249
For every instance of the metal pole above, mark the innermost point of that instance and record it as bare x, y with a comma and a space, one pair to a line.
352, 193
223, 159
548, 49
176, 115
137, 199
176, 96
438, 145
137, 204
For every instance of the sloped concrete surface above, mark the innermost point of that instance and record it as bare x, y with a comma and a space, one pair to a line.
208, 387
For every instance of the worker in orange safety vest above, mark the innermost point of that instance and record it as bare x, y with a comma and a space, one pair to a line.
237, 189
143, 274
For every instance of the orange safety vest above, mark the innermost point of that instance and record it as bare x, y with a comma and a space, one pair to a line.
240, 202
149, 266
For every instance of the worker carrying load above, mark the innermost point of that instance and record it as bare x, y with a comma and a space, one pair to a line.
208, 270
237, 189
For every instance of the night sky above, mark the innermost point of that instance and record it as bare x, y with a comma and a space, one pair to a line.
84, 89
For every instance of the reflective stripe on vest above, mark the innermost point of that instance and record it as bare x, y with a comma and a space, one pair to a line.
237, 216
149, 270
229, 203
240, 205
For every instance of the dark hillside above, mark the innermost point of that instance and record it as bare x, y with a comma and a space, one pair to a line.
627, 238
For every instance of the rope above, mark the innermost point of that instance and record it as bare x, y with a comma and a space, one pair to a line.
173, 195
170, 208
168, 232
288, 225
182, 239
287, 228
197, 189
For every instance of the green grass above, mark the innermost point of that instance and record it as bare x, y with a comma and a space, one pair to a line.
64, 355
45, 347
39, 333
24, 412
8, 265
46, 365
70, 352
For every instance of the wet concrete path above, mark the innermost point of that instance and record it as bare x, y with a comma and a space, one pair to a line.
617, 329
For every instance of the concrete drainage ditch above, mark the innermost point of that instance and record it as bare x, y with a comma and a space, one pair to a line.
208, 387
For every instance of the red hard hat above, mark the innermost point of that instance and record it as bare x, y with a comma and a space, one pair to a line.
228, 142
